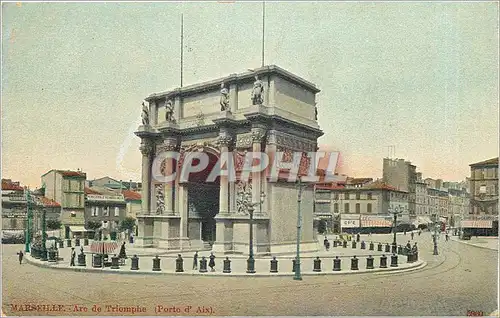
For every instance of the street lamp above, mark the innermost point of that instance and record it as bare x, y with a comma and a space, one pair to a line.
435, 236
301, 187
395, 212
44, 234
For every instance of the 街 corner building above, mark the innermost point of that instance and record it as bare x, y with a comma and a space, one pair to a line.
265, 110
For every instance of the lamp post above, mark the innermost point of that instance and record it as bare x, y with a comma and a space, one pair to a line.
28, 221
44, 234
435, 236
395, 212
298, 275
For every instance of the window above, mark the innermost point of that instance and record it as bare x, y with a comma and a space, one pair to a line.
336, 208
346, 207
117, 211
369, 196
369, 208
106, 211
94, 211
346, 196
358, 196
358, 208
336, 196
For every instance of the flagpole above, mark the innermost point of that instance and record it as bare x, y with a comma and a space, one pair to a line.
263, 28
182, 44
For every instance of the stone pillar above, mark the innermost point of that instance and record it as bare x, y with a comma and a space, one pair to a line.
169, 145
153, 112
146, 150
265, 98
271, 149
233, 97
177, 108
257, 138
183, 209
224, 142
270, 92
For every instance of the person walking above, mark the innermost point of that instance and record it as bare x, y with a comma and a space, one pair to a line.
412, 234
195, 261
211, 263
73, 255
447, 236
419, 232
21, 255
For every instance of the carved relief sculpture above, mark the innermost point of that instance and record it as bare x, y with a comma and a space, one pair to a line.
200, 119
224, 98
244, 197
257, 92
258, 135
160, 199
145, 114
169, 111
146, 147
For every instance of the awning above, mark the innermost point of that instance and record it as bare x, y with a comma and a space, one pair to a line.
422, 220
376, 223
77, 229
477, 224
103, 247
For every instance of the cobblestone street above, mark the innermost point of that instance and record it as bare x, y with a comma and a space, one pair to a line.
461, 278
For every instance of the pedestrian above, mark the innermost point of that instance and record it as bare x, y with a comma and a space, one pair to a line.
327, 246
325, 241
408, 246
447, 236
21, 255
81, 250
419, 232
73, 254
195, 260
412, 234
211, 263
405, 232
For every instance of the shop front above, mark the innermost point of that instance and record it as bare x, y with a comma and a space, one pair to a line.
350, 223
376, 224
479, 227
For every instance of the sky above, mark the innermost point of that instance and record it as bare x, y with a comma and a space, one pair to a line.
422, 77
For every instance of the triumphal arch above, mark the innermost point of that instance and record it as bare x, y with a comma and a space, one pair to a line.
265, 110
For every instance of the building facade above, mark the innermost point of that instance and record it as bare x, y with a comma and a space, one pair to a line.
107, 209
402, 175
67, 189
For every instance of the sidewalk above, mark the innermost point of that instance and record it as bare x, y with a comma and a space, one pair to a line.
238, 266
489, 242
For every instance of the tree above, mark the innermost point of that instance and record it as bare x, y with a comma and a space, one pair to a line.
93, 225
127, 224
53, 225
322, 227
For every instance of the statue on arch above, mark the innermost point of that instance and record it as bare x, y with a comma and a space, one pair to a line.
257, 92
169, 108
145, 114
224, 98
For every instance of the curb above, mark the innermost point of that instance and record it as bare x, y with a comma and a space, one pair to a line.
417, 265
470, 244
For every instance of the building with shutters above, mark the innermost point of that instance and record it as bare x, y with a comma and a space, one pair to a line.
107, 208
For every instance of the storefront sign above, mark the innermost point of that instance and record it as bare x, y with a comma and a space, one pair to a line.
349, 223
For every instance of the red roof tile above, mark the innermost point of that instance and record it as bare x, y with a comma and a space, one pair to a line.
7, 184
131, 195
48, 203
90, 191
69, 173
379, 185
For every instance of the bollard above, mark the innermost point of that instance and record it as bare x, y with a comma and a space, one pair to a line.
369, 262
353, 244
34, 252
394, 260
203, 265
61, 244
179, 264
43, 254
379, 247
363, 245
415, 256
354, 263
317, 265
156, 264
345, 244
85, 242
358, 237
336, 264
274, 265
135, 263
52, 256
409, 257
372, 247
114, 262
294, 263
334, 243
96, 261
387, 248
383, 261
400, 250
68, 243
394, 249
82, 260
227, 265
77, 242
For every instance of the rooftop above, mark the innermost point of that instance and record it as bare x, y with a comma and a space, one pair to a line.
8, 184
492, 161
131, 195
48, 203
68, 173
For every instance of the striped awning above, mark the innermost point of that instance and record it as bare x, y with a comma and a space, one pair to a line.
477, 224
103, 247
376, 223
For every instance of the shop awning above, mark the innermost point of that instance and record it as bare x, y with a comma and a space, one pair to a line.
422, 220
376, 223
477, 224
77, 229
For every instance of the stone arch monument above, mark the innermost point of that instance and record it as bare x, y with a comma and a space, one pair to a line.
269, 110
